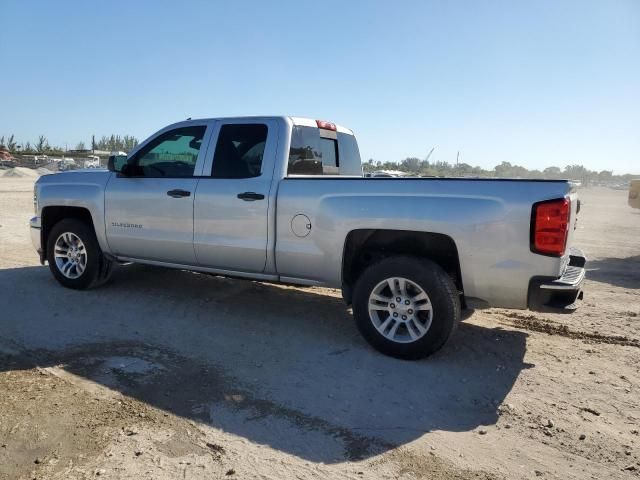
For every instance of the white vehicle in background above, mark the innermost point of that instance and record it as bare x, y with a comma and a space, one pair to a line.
387, 174
92, 162
67, 164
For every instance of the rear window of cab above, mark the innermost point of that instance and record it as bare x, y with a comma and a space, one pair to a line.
322, 152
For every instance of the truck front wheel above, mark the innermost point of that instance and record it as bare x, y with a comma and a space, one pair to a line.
406, 307
74, 255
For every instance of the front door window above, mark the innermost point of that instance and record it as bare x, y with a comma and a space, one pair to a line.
172, 155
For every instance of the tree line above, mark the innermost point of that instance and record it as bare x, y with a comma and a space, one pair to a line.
424, 167
41, 146
410, 165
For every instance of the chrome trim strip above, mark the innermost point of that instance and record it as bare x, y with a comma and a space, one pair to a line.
196, 268
302, 281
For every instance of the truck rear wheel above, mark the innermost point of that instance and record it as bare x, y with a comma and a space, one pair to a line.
406, 307
74, 255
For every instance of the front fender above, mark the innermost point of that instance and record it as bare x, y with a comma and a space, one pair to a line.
79, 190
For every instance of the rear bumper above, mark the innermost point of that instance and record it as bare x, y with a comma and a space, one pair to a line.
559, 295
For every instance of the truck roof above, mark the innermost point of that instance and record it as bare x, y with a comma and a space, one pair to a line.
298, 121
308, 122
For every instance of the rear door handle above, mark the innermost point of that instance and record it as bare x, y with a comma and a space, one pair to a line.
250, 196
178, 193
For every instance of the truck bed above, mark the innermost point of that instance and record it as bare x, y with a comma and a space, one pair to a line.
478, 213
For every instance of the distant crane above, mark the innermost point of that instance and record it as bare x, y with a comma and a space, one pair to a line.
429, 154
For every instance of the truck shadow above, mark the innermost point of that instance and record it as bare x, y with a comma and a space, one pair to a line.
279, 366
620, 272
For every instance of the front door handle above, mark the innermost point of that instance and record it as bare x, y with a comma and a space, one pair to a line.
250, 196
178, 193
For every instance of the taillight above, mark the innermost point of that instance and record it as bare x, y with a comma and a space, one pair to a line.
326, 125
550, 227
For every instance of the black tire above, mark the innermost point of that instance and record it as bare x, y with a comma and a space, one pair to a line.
98, 268
434, 281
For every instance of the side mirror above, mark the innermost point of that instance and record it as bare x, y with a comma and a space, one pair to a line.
117, 163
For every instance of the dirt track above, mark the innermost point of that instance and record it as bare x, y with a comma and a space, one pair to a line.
166, 374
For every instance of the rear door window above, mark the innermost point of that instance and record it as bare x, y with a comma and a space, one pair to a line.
239, 150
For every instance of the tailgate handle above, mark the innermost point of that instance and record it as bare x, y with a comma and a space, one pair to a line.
250, 196
178, 193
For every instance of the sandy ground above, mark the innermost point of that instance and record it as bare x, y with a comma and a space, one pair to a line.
167, 374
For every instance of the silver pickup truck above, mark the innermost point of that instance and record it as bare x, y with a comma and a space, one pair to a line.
283, 199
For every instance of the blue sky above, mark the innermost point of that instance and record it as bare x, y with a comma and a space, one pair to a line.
535, 83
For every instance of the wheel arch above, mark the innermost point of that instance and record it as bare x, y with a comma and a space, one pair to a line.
53, 214
364, 247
